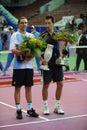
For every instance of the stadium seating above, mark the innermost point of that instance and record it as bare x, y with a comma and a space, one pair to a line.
71, 7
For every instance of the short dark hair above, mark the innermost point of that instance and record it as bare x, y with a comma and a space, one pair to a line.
21, 18
11, 28
81, 26
50, 17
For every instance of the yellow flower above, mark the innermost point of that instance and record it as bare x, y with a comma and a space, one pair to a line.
33, 46
66, 36
32, 40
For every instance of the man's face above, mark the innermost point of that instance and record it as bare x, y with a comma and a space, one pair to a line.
23, 24
49, 24
32, 30
11, 30
80, 31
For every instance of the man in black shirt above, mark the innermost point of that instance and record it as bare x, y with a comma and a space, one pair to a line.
55, 72
81, 52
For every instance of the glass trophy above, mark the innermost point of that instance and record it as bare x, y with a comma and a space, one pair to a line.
62, 61
47, 56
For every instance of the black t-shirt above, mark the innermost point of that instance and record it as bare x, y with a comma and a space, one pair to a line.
82, 42
50, 40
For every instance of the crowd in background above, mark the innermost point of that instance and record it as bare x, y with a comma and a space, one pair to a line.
71, 26
5, 39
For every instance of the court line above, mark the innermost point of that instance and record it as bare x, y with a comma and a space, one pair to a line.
22, 110
44, 121
84, 79
36, 122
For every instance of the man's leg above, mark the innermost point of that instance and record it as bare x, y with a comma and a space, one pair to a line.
58, 94
45, 91
17, 95
17, 102
78, 60
85, 62
59, 90
28, 95
45, 98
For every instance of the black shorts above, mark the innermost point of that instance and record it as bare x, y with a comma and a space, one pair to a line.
55, 74
22, 77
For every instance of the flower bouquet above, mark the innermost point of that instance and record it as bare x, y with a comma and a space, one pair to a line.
63, 35
66, 36
33, 47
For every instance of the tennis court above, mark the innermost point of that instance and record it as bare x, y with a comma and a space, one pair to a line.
73, 102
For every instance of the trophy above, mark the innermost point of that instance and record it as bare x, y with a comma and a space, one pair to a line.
20, 58
62, 60
47, 56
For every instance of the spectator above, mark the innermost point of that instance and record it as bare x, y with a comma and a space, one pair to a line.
79, 20
0, 43
1, 66
10, 55
4, 40
81, 52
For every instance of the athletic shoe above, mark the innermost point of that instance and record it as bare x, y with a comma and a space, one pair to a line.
32, 113
19, 114
58, 109
46, 110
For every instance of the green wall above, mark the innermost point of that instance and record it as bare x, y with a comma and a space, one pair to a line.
50, 6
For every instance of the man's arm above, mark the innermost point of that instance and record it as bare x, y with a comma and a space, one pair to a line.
17, 52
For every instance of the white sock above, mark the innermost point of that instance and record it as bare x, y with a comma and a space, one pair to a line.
57, 102
18, 106
29, 105
45, 102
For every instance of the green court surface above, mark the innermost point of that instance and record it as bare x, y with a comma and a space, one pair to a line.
71, 60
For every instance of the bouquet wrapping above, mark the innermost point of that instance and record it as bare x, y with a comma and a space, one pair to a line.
33, 47
66, 36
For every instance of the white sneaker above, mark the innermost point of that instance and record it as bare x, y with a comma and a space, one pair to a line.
46, 110
58, 109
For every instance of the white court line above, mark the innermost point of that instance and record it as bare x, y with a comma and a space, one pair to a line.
37, 122
44, 121
84, 79
22, 110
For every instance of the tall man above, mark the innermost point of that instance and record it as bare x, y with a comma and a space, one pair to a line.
56, 71
22, 69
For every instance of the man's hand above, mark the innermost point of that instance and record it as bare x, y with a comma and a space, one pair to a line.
17, 52
43, 61
28, 58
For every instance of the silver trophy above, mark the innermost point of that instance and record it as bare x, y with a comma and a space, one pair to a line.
62, 61
47, 56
